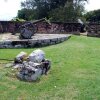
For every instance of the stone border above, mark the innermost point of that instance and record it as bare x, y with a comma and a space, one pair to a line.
30, 43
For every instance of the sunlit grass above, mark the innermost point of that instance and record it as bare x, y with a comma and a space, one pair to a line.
75, 73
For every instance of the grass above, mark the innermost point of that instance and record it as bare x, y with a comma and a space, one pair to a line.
75, 73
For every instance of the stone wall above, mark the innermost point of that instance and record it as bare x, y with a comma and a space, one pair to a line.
9, 26
42, 27
58, 27
93, 29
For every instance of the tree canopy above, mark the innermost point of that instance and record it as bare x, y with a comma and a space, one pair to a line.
93, 16
57, 10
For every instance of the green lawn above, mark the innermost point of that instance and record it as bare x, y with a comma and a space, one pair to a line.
75, 73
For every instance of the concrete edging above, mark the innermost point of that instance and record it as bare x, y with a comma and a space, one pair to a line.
33, 42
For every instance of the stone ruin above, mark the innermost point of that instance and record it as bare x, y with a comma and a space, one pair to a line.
41, 26
32, 67
93, 29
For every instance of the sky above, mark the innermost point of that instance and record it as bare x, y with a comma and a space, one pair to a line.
9, 8
92, 5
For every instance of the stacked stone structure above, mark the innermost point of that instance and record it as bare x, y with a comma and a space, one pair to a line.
93, 29
37, 41
42, 27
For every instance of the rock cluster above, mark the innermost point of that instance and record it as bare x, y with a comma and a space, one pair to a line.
33, 67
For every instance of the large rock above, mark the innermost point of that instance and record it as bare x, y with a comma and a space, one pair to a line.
37, 56
33, 67
25, 34
30, 71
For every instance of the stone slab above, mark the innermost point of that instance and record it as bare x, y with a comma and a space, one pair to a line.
38, 40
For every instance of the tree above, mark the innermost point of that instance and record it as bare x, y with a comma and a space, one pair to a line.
26, 14
71, 11
63, 10
42, 7
93, 16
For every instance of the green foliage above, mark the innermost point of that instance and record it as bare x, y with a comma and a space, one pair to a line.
18, 19
74, 75
71, 11
58, 10
93, 16
39, 7
26, 14
63, 14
